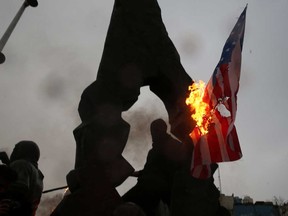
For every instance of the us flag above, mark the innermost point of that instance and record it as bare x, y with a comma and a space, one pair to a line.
221, 142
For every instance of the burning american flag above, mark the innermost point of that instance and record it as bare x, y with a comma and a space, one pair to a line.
215, 138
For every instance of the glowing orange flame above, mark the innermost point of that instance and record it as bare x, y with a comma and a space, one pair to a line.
200, 109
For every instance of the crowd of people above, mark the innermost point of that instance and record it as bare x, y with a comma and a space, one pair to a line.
164, 186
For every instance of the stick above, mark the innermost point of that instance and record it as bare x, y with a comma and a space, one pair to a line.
8, 32
54, 189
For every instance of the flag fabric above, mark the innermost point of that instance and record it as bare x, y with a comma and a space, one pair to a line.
221, 142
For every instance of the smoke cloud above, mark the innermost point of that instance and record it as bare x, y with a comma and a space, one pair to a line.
48, 204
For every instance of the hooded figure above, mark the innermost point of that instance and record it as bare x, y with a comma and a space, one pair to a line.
27, 190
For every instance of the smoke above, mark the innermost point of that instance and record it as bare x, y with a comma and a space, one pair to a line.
54, 87
48, 204
60, 88
140, 117
190, 44
138, 142
61, 82
140, 120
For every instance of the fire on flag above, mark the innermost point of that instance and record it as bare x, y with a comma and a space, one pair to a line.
214, 108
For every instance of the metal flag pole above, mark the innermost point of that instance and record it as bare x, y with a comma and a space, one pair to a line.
219, 178
54, 189
8, 32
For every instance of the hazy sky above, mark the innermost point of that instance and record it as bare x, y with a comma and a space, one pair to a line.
54, 53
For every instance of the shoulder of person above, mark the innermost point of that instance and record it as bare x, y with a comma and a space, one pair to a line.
22, 164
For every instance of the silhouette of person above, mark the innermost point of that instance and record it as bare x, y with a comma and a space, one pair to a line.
23, 195
156, 179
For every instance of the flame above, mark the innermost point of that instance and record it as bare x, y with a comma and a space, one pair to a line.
200, 109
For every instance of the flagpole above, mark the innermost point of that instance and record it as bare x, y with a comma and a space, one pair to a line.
8, 32
54, 189
219, 179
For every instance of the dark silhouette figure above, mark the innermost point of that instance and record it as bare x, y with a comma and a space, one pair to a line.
23, 194
155, 181
166, 177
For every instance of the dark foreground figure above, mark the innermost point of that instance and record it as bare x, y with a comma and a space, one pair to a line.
21, 182
166, 179
155, 181
137, 52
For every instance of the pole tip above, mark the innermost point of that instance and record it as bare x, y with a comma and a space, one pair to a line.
32, 3
2, 58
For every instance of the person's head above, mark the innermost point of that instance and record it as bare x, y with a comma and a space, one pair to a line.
27, 150
158, 128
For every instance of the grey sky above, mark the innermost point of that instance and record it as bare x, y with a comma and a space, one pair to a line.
54, 53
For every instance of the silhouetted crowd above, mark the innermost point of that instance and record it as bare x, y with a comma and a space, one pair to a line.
164, 186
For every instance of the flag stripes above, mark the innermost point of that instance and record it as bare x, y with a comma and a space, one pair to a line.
221, 142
